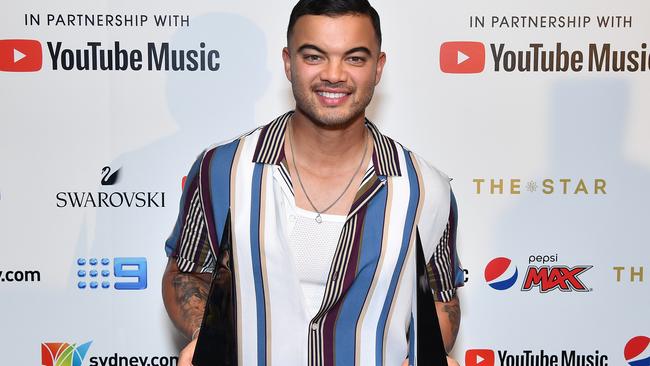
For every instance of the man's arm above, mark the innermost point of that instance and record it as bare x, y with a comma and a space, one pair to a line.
449, 318
185, 295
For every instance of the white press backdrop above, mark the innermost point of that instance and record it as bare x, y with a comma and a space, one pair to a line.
60, 128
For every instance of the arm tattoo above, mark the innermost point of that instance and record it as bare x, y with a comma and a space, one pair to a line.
191, 296
452, 309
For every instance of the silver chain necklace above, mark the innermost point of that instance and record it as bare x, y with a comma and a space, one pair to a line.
319, 219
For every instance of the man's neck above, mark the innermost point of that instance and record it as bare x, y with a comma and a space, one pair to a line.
327, 146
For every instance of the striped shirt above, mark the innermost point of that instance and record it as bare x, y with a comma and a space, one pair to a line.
367, 314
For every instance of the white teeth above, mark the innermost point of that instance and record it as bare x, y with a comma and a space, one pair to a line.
332, 95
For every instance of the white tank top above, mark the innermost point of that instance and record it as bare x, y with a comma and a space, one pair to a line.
312, 246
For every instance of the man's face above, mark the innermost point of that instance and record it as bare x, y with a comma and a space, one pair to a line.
333, 64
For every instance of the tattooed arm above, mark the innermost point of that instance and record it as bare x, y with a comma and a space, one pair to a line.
185, 295
449, 318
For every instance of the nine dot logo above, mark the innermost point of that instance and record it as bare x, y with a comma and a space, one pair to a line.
637, 351
500, 273
95, 273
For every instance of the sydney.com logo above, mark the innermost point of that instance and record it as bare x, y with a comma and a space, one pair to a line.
26, 55
468, 57
65, 354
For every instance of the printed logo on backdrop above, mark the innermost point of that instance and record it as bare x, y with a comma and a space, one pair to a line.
501, 274
486, 357
637, 351
124, 273
479, 357
28, 55
20, 55
65, 354
545, 187
469, 56
110, 199
629, 274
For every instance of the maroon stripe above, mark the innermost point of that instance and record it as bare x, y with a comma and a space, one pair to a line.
366, 193
331, 317
207, 199
260, 142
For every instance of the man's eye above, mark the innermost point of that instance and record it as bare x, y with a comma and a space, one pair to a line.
356, 60
312, 58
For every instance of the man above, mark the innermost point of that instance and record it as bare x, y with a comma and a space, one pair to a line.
323, 271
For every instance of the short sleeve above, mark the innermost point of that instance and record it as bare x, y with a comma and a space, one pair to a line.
444, 269
189, 242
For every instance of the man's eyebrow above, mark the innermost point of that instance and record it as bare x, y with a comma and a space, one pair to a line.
365, 50
309, 46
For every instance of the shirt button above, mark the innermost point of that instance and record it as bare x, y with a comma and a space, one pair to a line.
314, 327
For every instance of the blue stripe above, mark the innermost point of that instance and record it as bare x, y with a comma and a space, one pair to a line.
172, 241
409, 226
641, 362
257, 265
371, 238
220, 167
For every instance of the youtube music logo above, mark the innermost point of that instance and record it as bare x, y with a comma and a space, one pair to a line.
479, 357
20, 55
462, 57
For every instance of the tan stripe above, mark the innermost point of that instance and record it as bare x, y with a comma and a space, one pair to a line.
371, 291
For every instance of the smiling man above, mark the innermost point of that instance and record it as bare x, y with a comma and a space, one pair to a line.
324, 239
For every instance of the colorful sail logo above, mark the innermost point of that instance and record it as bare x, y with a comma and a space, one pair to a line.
63, 354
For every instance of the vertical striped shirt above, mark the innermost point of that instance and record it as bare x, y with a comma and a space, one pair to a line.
367, 314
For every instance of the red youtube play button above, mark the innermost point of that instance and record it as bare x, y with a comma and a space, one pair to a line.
479, 357
462, 57
20, 55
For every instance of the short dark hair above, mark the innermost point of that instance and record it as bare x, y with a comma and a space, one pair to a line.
333, 8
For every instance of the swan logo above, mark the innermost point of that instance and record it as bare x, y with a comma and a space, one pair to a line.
108, 177
63, 354
637, 351
501, 273
139, 199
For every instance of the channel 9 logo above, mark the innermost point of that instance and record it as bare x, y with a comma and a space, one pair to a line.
96, 273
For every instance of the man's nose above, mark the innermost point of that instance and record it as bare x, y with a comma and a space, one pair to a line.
334, 72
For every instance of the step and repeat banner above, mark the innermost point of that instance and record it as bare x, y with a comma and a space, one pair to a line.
538, 110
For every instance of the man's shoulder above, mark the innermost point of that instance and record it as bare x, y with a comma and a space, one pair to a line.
428, 173
264, 138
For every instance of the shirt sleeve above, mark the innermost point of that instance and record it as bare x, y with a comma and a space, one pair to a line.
189, 242
444, 269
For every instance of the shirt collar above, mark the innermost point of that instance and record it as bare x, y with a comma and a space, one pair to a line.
270, 147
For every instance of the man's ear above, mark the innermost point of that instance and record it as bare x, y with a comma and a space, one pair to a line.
286, 59
381, 61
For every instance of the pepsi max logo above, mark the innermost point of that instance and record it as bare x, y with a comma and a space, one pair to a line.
637, 351
501, 273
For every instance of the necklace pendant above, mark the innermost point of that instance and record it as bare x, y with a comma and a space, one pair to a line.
319, 219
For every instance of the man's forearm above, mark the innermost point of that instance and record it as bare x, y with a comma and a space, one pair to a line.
185, 295
449, 318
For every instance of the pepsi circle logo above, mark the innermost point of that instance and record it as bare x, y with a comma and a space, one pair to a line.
500, 273
637, 352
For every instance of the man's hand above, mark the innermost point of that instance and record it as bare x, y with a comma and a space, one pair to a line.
185, 357
450, 362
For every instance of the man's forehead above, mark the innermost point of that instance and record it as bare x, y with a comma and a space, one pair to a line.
340, 32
